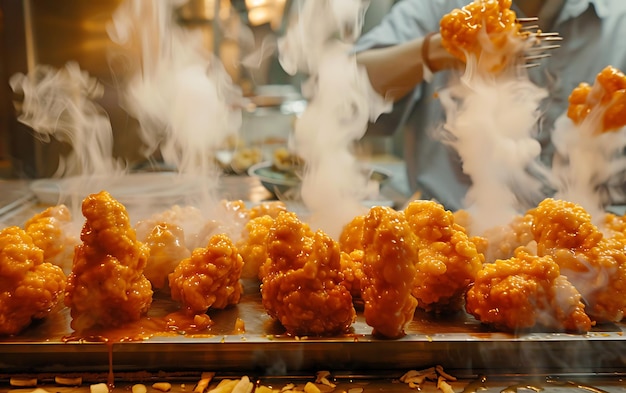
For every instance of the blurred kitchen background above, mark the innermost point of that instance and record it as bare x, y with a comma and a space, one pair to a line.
53, 32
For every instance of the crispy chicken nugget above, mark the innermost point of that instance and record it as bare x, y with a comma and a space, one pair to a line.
448, 260
595, 264
29, 287
486, 30
526, 292
106, 287
209, 278
302, 285
390, 253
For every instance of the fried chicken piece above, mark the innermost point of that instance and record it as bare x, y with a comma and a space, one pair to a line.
209, 278
486, 30
106, 287
167, 249
352, 269
29, 287
606, 100
526, 292
302, 283
253, 246
447, 260
196, 227
502, 241
267, 208
351, 236
594, 264
51, 231
389, 257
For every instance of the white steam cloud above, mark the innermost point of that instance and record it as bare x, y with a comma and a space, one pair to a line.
60, 104
181, 94
491, 121
341, 102
586, 162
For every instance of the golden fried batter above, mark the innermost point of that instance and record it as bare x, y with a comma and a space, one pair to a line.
302, 282
29, 287
486, 30
209, 278
267, 208
525, 292
351, 236
106, 287
606, 98
593, 263
167, 250
389, 259
50, 231
447, 262
253, 246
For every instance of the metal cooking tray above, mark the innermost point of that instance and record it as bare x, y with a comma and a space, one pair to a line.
458, 342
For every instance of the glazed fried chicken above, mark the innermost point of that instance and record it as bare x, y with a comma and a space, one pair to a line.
106, 287
29, 287
525, 292
302, 282
253, 246
447, 259
485, 30
209, 278
606, 98
390, 251
167, 249
596, 265
51, 231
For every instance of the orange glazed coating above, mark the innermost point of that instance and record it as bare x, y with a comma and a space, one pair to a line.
562, 224
209, 278
48, 229
29, 287
607, 97
106, 287
253, 246
351, 236
167, 249
594, 264
448, 260
480, 29
302, 283
524, 292
267, 208
390, 255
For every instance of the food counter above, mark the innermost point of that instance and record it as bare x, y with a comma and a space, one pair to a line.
479, 359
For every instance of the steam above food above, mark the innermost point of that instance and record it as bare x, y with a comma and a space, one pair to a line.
589, 142
492, 107
341, 102
60, 104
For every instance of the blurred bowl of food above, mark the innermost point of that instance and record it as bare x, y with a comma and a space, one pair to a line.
284, 181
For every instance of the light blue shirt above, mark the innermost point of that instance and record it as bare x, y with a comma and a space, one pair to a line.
594, 36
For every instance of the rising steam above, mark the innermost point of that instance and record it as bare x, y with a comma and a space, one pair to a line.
183, 98
490, 121
60, 104
586, 162
341, 102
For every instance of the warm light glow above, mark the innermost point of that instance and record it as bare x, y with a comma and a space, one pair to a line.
265, 11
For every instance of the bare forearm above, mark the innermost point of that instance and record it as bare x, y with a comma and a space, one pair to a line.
394, 71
